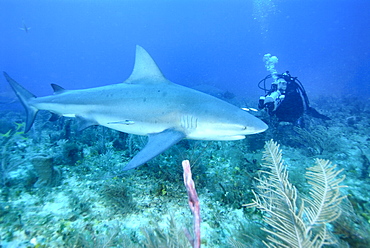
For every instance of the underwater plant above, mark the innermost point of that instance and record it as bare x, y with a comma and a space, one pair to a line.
295, 221
7, 163
47, 174
117, 193
316, 141
171, 237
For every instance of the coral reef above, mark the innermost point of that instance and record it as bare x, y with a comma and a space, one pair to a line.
116, 192
194, 206
9, 163
47, 174
96, 205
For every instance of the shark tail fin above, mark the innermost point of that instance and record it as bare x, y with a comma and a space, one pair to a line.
24, 96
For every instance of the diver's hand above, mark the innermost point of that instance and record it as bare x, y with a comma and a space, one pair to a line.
270, 106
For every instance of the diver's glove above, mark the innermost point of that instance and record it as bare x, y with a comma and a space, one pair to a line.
261, 102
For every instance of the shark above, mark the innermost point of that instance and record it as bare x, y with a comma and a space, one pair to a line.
25, 28
148, 104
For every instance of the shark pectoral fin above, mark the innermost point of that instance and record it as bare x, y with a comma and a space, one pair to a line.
157, 143
84, 123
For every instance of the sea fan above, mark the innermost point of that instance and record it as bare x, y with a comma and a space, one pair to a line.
295, 222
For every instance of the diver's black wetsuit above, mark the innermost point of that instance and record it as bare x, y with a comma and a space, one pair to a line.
292, 107
294, 104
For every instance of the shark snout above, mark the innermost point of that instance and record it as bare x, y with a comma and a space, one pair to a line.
253, 126
260, 127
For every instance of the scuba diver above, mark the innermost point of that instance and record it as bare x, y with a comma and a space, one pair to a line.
287, 99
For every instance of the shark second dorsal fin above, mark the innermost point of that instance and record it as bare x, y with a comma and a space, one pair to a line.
145, 68
57, 89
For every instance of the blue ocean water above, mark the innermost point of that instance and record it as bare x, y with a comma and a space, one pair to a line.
82, 44
78, 197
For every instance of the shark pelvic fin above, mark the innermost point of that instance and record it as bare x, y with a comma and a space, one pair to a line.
24, 96
144, 68
84, 123
54, 117
157, 143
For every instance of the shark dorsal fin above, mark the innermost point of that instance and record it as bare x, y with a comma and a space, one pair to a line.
145, 68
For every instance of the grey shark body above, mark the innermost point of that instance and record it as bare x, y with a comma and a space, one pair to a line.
146, 104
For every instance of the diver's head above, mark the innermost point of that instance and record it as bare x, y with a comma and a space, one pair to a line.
281, 84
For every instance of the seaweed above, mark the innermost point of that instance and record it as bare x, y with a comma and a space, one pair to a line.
8, 163
118, 194
171, 237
